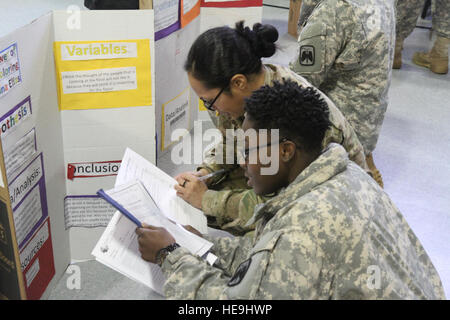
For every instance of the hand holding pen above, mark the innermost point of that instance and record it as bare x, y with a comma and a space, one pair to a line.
207, 176
191, 187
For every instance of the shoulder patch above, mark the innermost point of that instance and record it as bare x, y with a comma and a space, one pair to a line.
307, 56
240, 273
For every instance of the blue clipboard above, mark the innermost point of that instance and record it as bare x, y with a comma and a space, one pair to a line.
116, 205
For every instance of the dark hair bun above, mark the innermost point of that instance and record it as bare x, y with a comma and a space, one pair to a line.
262, 38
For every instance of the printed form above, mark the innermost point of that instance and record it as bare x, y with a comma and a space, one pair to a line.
160, 186
143, 189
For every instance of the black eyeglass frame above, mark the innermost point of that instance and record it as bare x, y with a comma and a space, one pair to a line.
246, 152
210, 105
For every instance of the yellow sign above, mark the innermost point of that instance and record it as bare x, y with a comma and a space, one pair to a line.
103, 74
175, 115
201, 105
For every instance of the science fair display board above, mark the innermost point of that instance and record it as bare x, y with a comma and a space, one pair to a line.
76, 91
176, 102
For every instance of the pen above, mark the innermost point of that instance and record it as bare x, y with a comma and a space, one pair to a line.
116, 205
212, 174
209, 175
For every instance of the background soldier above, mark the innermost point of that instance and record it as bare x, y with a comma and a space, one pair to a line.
346, 50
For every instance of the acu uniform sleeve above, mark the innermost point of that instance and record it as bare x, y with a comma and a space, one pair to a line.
320, 42
280, 265
231, 209
190, 277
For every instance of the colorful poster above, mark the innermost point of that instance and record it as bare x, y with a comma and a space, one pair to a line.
103, 74
166, 17
231, 3
190, 9
37, 262
10, 74
28, 199
175, 115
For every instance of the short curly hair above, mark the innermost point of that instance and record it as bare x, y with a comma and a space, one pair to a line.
300, 113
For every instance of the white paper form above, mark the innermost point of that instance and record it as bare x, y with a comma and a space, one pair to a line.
118, 246
160, 186
118, 249
134, 198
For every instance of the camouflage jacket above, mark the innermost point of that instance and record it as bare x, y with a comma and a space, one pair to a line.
232, 203
346, 49
333, 233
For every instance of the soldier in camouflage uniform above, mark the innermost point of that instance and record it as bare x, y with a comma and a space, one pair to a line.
346, 50
407, 13
331, 233
229, 202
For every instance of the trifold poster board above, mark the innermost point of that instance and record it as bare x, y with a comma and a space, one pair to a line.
176, 102
75, 91
117, 110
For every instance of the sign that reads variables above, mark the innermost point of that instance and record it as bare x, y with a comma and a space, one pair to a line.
94, 51
103, 74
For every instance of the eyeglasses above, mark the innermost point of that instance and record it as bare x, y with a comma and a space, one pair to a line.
246, 152
210, 104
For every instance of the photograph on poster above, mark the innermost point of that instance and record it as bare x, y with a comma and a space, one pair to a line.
10, 74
